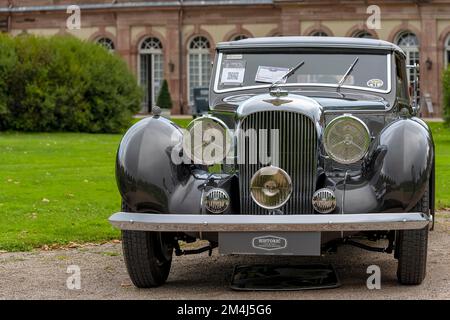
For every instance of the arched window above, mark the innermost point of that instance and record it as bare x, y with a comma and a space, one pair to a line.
199, 64
363, 34
410, 45
319, 34
447, 52
151, 70
107, 43
239, 37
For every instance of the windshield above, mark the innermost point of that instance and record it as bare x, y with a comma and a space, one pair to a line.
239, 71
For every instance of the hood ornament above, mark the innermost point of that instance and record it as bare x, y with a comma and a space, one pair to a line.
278, 92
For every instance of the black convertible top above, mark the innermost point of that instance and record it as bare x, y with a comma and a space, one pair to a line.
311, 42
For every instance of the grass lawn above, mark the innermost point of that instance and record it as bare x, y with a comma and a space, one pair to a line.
56, 188
60, 187
441, 136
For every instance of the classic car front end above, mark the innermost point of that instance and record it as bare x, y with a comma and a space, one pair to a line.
310, 143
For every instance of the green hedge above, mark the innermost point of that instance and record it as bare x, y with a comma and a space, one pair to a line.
64, 84
446, 91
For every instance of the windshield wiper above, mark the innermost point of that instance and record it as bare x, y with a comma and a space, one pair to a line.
287, 75
341, 82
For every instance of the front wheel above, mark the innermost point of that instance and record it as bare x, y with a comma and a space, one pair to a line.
148, 256
411, 250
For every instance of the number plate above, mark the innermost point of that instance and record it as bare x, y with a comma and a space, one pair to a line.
274, 243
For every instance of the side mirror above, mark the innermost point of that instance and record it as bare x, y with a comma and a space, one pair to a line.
414, 87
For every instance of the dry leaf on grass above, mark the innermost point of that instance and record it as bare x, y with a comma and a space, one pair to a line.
125, 284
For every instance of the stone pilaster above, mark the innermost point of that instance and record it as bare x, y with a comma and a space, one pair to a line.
429, 77
289, 21
172, 65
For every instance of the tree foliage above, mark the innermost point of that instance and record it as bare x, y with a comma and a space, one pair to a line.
446, 93
164, 99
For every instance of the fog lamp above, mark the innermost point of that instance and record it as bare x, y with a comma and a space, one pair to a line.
324, 200
217, 200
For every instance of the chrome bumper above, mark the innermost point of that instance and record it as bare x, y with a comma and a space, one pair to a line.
254, 223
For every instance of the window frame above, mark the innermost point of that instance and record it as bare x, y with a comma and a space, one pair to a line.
111, 46
200, 52
409, 50
159, 50
319, 33
447, 51
241, 36
361, 34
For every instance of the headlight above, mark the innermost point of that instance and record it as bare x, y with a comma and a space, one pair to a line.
270, 187
346, 139
207, 140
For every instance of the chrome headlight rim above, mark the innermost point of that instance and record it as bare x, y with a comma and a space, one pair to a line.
289, 180
330, 125
228, 136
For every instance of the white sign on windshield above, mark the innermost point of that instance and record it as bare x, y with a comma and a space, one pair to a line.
233, 75
233, 72
270, 74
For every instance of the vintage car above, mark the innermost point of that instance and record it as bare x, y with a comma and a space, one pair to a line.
310, 143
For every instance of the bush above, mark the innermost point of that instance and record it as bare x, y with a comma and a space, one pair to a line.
64, 84
8, 60
446, 91
164, 99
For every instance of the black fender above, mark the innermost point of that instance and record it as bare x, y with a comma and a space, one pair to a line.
403, 170
394, 174
147, 178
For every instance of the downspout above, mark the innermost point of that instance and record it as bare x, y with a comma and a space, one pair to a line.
180, 57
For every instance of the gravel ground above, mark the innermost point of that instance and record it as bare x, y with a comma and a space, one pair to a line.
42, 275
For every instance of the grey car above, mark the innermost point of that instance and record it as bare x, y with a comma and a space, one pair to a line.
310, 143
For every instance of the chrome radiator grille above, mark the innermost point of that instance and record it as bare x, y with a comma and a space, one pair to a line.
297, 156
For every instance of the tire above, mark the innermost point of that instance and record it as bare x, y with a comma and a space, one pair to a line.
411, 250
148, 256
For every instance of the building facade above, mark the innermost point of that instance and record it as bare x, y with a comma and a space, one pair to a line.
175, 40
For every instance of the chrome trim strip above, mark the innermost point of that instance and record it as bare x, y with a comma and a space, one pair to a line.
354, 111
219, 63
299, 42
272, 223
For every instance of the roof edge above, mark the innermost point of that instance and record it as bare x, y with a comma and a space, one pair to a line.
136, 5
310, 42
